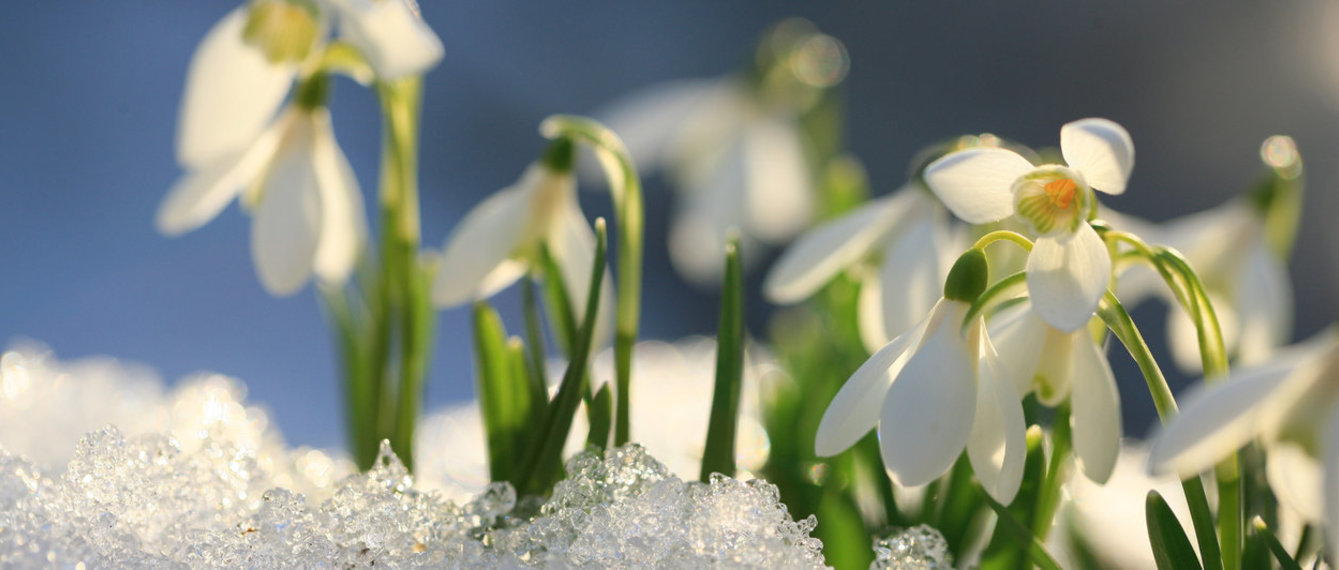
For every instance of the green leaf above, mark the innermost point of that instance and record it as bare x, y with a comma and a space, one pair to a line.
1171, 548
504, 401
1280, 553
544, 459
1004, 551
719, 452
1036, 551
600, 414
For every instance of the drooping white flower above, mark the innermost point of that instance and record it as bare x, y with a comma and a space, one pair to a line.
1069, 267
736, 162
391, 35
498, 241
301, 191
918, 248
1060, 365
931, 392
1289, 405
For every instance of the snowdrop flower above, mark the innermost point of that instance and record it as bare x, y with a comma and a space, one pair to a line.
1060, 365
1287, 403
1069, 268
931, 392
911, 228
498, 241
290, 172
391, 35
733, 148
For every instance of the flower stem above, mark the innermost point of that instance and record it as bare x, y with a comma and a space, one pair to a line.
1048, 499
626, 190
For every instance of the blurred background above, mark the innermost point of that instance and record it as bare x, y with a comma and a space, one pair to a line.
88, 108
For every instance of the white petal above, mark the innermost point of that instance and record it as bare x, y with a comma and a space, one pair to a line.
819, 254
648, 120
779, 196
1264, 303
1096, 415
288, 218
998, 444
572, 243
1019, 334
1066, 277
855, 409
392, 36
910, 278
232, 91
484, 239
1101, 150
1216, 419
976, 183
1295, 478
199, 196
927, 414
344, 223
1330, 441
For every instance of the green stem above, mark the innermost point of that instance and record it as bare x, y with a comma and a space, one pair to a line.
1048, 499
1123, 327
405, 282
1006, 235
626, 189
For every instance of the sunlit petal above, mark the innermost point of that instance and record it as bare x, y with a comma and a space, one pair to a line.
648, 120
1096, 410
1066, 277
976, 183
855, 409
997, 447
1264, 302
199, 196
1101, 150
232, 92
1216, 419
1019, 334
818, 255
344, 223
1295, 478
288, 218
911, 276
779, 196
392, 36
927, 414
484, 239
572, 242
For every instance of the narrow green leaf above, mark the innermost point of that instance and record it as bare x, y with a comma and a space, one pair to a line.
1272, 541
1004, 551
1036, 551
1171, 548
600, 413
359, 385
545, 457
498, 394
415, 350
538, 358
718, 455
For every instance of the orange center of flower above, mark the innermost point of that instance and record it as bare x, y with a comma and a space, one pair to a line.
1061, 192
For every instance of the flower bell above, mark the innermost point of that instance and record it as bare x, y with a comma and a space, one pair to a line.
1069, 267
934, 391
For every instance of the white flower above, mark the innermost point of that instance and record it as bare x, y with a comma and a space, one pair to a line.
1059, 365
1288, 404
306, 202
1069, 268
498, 241
918, 248
391, 35
737, 163
1247, 283
933, 391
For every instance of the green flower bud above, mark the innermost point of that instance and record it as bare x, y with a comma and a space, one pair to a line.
968, 277
560, 155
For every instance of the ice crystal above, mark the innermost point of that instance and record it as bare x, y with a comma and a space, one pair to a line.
917, 548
